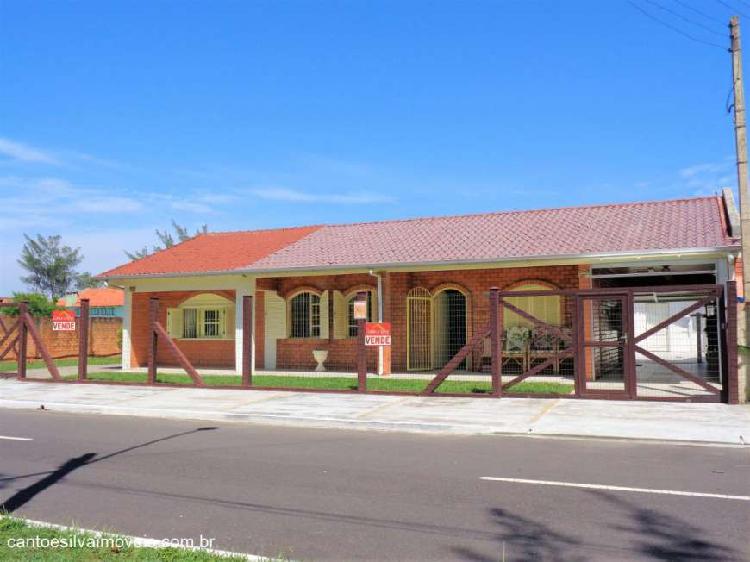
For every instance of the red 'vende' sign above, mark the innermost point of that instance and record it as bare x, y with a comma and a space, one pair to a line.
377, 333
63, 321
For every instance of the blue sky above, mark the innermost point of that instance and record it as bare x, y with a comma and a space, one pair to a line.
116, 117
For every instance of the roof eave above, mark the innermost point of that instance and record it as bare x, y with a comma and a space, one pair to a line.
442, 264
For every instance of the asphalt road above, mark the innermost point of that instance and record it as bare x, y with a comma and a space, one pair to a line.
346, 495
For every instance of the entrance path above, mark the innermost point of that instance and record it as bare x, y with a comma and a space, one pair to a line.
709, 423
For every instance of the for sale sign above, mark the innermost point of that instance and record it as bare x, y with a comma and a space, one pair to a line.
63, 321
377, 333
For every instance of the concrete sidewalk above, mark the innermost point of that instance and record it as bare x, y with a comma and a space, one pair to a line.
708, 423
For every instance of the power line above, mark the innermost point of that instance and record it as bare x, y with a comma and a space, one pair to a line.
685, 19
697, 11
675, 29
731, 8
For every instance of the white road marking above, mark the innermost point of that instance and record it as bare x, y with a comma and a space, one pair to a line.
7, 438
615, 488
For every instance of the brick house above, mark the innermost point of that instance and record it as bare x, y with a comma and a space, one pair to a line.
429, 277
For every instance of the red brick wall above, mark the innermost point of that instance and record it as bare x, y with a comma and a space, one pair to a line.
476, 283
201, 353
296, 354
104, 339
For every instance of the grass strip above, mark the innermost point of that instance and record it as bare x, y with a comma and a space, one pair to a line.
20, 540
67, 362
385, 384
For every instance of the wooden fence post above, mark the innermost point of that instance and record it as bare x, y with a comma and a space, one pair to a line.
23, 337
361, 357
731, 381
83, 340
497, 387
248, 358
153, 318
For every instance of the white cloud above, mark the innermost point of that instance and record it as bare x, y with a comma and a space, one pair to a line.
192, 207
25, 153
54, 202
296, 196
107, 205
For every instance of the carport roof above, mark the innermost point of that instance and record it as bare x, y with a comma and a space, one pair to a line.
625, 228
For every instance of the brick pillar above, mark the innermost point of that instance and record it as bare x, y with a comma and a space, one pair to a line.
584, 282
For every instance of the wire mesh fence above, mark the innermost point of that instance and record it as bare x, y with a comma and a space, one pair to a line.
682, 358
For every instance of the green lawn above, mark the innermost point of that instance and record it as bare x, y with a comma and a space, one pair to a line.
12, 529
339, 383
11, 366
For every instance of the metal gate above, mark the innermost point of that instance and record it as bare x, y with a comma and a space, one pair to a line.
668, 343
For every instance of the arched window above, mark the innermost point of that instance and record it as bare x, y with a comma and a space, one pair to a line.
202, 317
304, 315
352, 323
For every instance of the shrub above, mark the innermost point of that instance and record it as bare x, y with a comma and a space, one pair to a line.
39, 305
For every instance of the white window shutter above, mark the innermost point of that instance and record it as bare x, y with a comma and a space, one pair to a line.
324, 315
230, 322
223, 322
174, 322
340, 316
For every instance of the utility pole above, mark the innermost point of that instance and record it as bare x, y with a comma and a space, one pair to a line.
740, 139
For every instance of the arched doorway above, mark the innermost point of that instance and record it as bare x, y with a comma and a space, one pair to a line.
449, 326
418, 329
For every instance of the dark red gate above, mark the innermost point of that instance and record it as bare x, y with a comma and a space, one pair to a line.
668, 343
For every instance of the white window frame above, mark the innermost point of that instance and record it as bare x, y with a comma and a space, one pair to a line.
200, 317
314, 316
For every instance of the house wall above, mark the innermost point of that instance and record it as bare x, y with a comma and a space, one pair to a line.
297, 353
201, 353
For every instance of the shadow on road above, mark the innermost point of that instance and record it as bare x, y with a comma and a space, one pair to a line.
524, 539
650, 533
53, 476
663, 537
23, 496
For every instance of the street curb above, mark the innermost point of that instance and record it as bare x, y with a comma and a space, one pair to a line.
318, 422
328, 422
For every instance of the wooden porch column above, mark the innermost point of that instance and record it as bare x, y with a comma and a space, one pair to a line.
23, 340
495, 359
153, 317
361, 357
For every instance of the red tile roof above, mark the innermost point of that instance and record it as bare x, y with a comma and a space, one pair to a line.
101, 296
603, 229
675, 225
212, 252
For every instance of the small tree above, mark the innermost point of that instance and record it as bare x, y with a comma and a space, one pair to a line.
167, 240
86, 281
51, 265
39, 305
